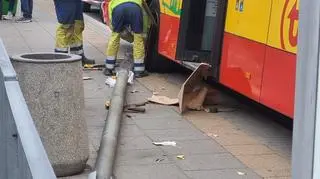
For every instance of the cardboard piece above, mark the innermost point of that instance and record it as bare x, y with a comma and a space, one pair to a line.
163, 100
194, 91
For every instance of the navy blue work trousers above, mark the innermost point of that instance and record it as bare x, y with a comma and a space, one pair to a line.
68, 11
127, 14
26, 8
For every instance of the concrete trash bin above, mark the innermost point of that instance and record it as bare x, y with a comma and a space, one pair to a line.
53, 88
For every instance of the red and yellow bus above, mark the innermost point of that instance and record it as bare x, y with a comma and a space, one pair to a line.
250, 44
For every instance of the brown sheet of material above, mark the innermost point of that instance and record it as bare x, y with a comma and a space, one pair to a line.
163, 100
194, 91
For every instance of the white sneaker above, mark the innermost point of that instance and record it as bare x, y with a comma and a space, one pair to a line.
9, 16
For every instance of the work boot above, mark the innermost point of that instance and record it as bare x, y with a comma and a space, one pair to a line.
109, 72
85, 60
140, 74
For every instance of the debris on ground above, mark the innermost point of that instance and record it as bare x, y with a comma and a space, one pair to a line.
163, 100
155, 93
165, 143
93, 66
196, 98
158, 160
241, 173
87, 78
193, 92
107, 104
92, 69
181, 157
131, 77
135, 91
128, 116
211, 109
212, 135
88, 67
111, 80
133, 108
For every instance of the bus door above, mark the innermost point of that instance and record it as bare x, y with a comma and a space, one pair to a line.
201, 33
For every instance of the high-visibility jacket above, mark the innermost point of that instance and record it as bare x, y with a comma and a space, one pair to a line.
114, 3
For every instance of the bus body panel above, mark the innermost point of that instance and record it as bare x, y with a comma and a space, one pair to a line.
169, 27
275, 65
244, 46
241, 65
168, 36
278, 84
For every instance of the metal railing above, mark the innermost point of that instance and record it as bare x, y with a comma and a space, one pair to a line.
22, 155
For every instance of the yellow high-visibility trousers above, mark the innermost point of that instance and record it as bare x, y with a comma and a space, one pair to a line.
64, 35
112, 50
138, 51
69, 37
76, 44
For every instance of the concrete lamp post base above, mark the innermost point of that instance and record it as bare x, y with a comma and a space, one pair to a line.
53, 88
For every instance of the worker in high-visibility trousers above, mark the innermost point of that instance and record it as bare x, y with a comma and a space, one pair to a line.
70, 28
123, 13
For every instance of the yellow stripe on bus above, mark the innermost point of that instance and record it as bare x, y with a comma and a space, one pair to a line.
283, 31
171, 7
249, 19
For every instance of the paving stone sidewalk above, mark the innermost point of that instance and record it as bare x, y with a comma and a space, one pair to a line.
205, 158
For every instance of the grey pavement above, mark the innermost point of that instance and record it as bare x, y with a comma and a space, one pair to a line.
235, 154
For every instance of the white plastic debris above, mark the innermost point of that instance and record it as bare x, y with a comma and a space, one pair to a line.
213, 135
241, 173
165, 143
131, 77
87, 78
111, 80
